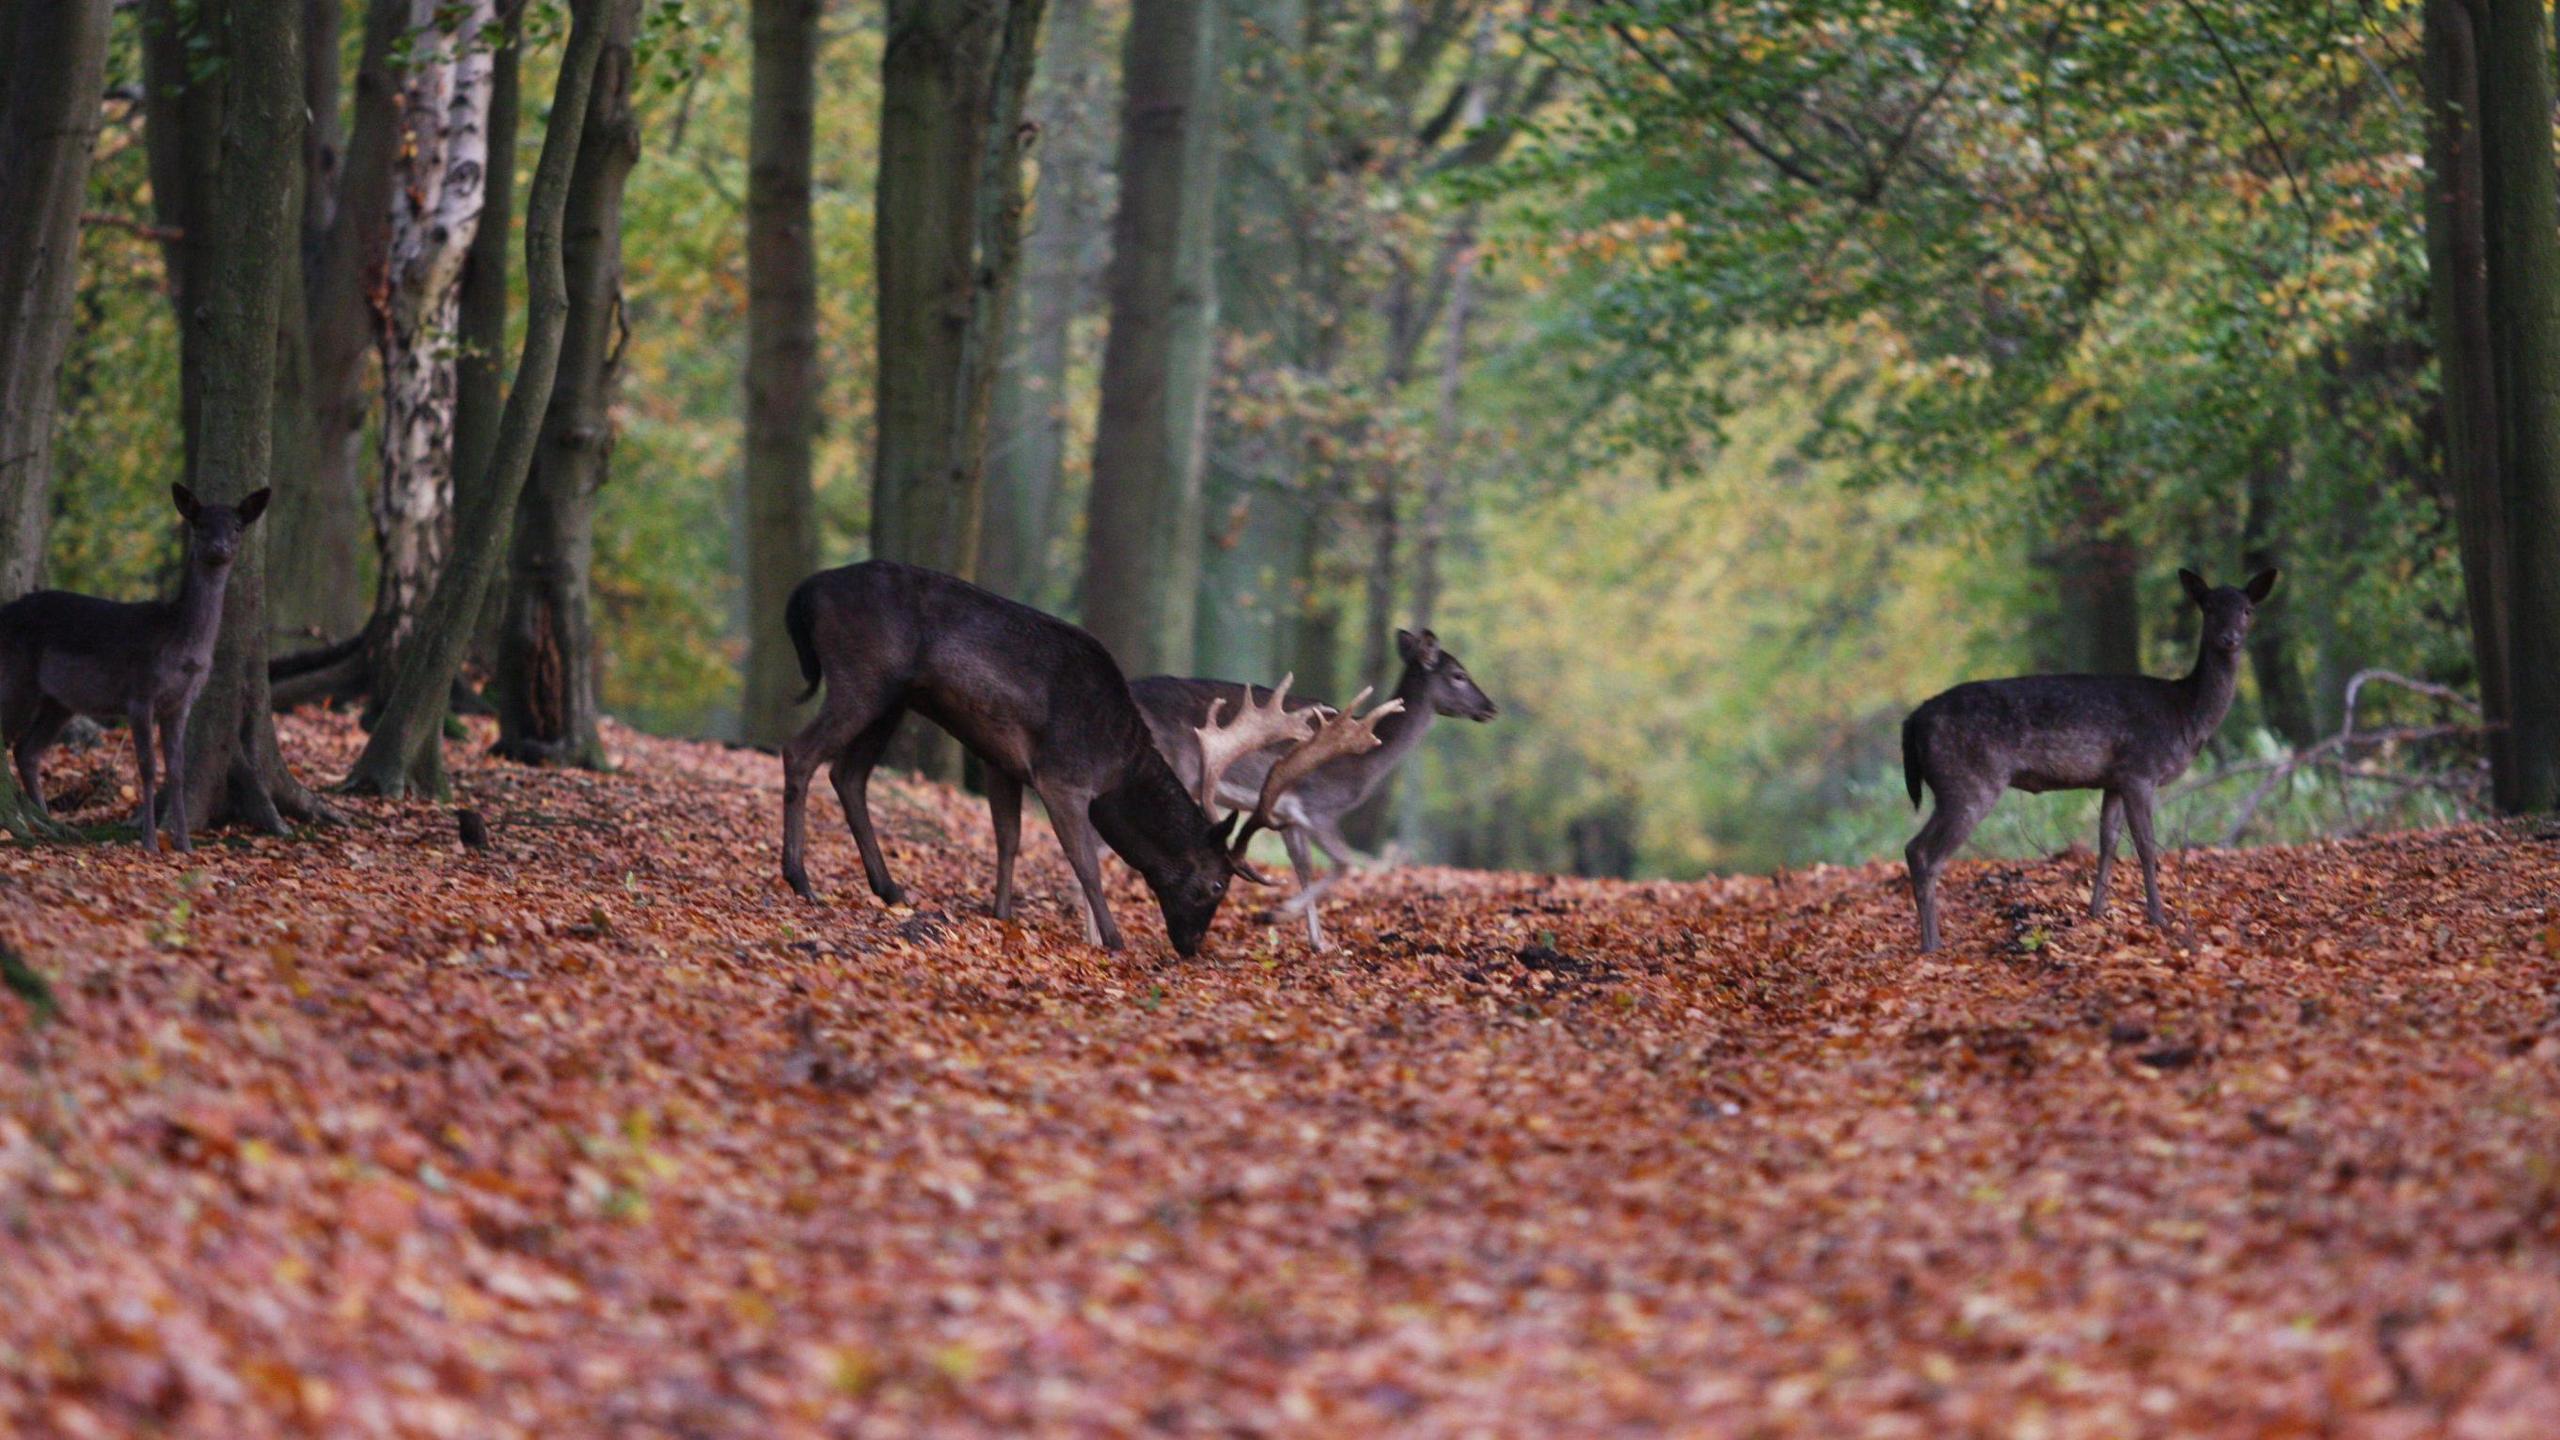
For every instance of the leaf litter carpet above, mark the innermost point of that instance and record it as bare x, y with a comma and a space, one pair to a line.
601, 1131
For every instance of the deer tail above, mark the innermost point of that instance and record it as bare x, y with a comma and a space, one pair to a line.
799, 617
1911, 741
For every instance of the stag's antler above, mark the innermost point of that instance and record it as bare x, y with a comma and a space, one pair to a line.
1344, 732
1254, 727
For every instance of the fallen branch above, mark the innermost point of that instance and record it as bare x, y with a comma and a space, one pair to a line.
2331, 754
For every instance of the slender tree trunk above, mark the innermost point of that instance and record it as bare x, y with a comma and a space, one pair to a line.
1027, 451
56, 54
439, 187
547, 707
406, 751
2467, 382
480, 371
2281, 695
948, 233
782, 356
2523, 211
1142, 536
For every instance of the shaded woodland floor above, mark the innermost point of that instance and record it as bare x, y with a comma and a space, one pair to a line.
601, 1131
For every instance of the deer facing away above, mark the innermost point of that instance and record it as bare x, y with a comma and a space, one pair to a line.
2126, 735
1043, 705
1434, 683
63, 654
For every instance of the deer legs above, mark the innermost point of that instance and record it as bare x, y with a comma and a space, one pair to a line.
851, 770
2110, 818
2137, 814
139, 718
173, 750
27, 746
1295, 837
827, 737
1945, 832
1004, 805
1068, 815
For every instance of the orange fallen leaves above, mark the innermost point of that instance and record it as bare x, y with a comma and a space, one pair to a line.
601, 1129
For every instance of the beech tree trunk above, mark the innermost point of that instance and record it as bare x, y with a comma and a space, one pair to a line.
1027, 451
439, 185
948, 233
547, 705
405, 751
480, 369
224, 122
1142, 534
2467, 382
782, 357
315, 585
55, 55
2522, 206
2282, 698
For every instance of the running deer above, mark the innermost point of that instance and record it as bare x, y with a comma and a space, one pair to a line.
1043, 705
1434, 683
63, 655
2126, 735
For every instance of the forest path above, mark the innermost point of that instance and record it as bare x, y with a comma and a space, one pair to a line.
602, 1130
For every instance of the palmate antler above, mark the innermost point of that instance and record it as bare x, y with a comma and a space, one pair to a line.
1344, 732
1254, 727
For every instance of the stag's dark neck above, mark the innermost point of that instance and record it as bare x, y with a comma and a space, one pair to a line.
2205, 691
1149, 819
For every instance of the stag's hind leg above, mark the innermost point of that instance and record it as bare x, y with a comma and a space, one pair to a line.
1310, 889
844, 715
28, 742
852, 772
1959, 809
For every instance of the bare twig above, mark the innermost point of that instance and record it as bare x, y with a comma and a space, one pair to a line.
2331, 753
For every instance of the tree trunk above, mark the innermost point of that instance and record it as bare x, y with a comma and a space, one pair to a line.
1142, 536
224, 86
439, 187
547, 706
321, 525
782, 357
405, 751
1447, 426
1027, 449
56, 54
2467, 383
2523, 212
480, 378
948, 231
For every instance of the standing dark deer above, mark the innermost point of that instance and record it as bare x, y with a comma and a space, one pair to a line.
2126, 735
63, 655
1434, 683
1042, 703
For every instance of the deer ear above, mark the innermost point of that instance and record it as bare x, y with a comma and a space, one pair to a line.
2196, 588
1422, 649
186, 500
255, 505
2261, 585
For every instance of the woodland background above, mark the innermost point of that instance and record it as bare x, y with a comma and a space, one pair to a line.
1717, 379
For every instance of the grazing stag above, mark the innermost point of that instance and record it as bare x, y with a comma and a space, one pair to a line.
1434, 683
2126, 735
1040, 702
63, 655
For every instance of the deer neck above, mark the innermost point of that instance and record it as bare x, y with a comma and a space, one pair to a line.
1400, 732
199, 607
2207, 690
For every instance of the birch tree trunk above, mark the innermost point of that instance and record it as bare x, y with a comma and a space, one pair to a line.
1142, 533
55, 56
406, 751
439, 184
782, 356
547, 707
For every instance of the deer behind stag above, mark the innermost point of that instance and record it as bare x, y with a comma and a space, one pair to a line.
1044, 706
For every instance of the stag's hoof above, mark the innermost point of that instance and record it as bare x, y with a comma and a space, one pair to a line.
891, 894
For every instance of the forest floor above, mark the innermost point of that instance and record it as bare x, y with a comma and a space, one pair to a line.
602, 1131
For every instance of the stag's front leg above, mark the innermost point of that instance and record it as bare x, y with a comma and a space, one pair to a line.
2137, 814
1067, 816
